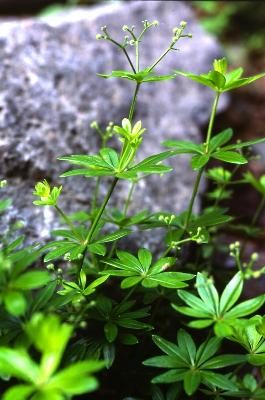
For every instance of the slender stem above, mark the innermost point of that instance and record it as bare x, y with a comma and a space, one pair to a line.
160, 58
258, 211
129, 198
132, 108
95, 196
193, 197
124, 51
100, 211
129, 293
137, 61
199, 175
210, 126
67, 220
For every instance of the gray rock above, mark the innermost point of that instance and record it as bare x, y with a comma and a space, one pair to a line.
49, 94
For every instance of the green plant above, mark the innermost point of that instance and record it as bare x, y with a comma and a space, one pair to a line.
57, 323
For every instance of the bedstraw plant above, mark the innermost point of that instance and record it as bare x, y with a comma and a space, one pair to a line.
78, 304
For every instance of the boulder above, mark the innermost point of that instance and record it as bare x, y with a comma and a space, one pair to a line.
50, 93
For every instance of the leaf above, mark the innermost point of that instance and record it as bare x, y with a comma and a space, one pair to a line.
18, 364
174, 375
169, 348
231, 293
111, 331
114, 236
44, 296
131, 281
246, 308
207, 292
198, 78
192, 380
183, 146
220, 139
199, 161
18, 392
242, 82
207, 349
15, 303
97, 248
218, 79
200, 323
191, 312
218, 380
91, 287
88, 173
187, 346
145, 258
31, 280
195, 302
225, 360
163, 362
230, 157
241, 145
4, 204
110, 156
169, 279
75, 380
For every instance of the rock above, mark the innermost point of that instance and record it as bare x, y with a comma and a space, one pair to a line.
50, 93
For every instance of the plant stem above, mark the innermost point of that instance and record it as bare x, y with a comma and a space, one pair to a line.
137, 61
100, 211
210, 126
124, 51
258, 211
199, 175
67, 220
159, 58
132, 108
129, 198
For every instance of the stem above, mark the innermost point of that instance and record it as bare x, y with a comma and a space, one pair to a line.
132, 108
129, 198
198, 178
210, 126
124, 51
193, 197
95, 197
68, 221
258, 211
100, 211
159, 58
137, 61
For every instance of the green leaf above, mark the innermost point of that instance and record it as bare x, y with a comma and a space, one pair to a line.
92, 286
192, 380
170, 349
169, 279
163, 362
218, 380
183, 146
75, 379
230, 157
186, 346
15, 303
199, 161
191, 312
203, 80
174, 375
111, 331
110, 157
218, 79
220, 139
113, 236
246, 308
242, 82
195, 302
4, 204
31, 280
200, 323
131, 281
18, 392
231, 293
225, 360
207, 291
97, 248
88, 172
241, 145
145, 258
18, 364
207, 350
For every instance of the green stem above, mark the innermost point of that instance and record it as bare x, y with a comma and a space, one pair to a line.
68, 221
137, 61
132, 108
95, 197
258, 211
199, 175
160, 58
129, 198
210, 126
100, 211
124, 51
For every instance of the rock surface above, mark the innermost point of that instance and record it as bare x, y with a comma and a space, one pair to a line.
49, 94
